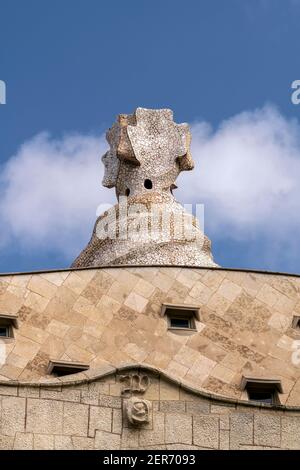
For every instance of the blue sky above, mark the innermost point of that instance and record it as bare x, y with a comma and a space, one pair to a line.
71, 67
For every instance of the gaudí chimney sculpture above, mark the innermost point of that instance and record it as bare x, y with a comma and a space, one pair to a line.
148, 226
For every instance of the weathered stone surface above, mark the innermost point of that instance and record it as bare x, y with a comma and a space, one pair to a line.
44, 416
206, 431
75, 419
178, 428
106, 440
267, 430
241, 429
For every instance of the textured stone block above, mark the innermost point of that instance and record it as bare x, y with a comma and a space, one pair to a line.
169, 391
107, 441
63, 443
44, 416
206, 431
154, 436
12, 415
43, 442
83, 443
241, 429
23, 441
117, 422
267, 430
111, 402
290, 432
178, 429
75, 419
100, 418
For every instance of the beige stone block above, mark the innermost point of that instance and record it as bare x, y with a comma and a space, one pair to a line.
44, 416
279, 322
229, 290
168, 391
127, 276
186, 356
23, 441
206, 431
172, 406
12, 415
178, 429
144, 288
20, 292
83, 443
285, 305
43, 442
107, 441
53, 347
76, 353
57, 328
198, 407
63, 443
224, 440
136, 302
117, 421
241, 429
26, 347
176, 369
42, 287
267, 430
75, 421
17, 360
213, 279
66, 394
87, 274
9, 390
201, 293
163, 282
130, 438
188, 278
10, 303
100, 419
29, 392
75, 283
57, 278
136, 353
11, 372
268, 295
201, 369
218, 304
290, 432
222, 373
6, 442
20, 280
35, 334
119, 291
36, 301
115, 389
86, 308
151, 437
234, 361
158, 359
110, 402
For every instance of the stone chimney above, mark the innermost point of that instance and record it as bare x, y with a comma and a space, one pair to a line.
148, 226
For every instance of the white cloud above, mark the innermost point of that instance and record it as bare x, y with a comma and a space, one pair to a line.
247, 174
49, 193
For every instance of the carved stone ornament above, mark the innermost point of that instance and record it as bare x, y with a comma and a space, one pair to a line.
134, 383
138, 411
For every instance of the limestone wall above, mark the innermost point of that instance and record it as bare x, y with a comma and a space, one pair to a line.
93, 415
111, 316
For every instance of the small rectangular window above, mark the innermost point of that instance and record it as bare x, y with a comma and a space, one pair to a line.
180, 322
4, 332
61, 368
262, 396
7, 325
262, 390
181, 317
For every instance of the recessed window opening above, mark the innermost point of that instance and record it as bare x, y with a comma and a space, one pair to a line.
127, 192
180, 317
148, 184
262, 390
262, 396
4, 332
61, 368
296, 323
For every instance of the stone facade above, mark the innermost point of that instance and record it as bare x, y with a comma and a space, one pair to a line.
110, 317
92, 414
